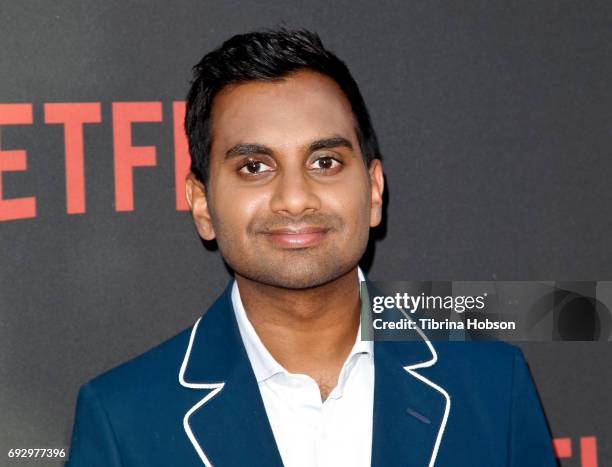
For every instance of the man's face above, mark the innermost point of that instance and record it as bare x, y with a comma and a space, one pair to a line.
289, 198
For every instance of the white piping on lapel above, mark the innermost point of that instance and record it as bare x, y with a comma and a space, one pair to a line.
410, 369
216, 388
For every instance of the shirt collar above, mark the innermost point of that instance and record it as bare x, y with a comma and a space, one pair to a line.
263, 363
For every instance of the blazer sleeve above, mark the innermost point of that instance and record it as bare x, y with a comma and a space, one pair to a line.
93, 440
530, 440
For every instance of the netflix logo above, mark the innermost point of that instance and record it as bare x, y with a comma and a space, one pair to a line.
73, 116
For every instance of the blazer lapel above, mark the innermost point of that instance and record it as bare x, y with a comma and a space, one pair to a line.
410, 410
228, 424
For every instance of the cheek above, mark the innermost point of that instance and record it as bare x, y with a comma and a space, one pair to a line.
352, 203
235, 211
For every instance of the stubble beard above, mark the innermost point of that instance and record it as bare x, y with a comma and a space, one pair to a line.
291, 268
301, 268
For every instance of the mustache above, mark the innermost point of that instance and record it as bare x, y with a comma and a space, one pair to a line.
325, 221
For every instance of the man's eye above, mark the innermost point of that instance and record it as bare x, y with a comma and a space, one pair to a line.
326, 163
252, 167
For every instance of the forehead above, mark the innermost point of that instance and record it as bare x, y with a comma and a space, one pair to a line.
297, 109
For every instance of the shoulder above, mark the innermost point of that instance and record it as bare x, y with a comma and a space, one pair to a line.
491, 357
479, 351
485, 370
444, 352
485, 364
155, 373
151, 372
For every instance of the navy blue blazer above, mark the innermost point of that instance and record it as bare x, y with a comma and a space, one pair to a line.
193, 400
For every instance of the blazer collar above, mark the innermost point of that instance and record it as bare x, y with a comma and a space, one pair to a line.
215, 349
410, 410
228, 424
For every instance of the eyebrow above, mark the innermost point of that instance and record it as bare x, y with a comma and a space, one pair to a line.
329, 143
247, 149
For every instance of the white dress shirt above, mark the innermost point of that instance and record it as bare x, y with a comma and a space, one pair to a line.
308, 432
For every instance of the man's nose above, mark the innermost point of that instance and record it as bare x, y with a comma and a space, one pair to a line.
294, 194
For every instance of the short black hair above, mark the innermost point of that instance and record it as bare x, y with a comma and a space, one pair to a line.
266, 55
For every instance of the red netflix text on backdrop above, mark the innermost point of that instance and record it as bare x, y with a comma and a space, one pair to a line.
73, 116
15, 114
587, 452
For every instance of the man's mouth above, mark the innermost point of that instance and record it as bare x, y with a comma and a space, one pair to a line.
297, 237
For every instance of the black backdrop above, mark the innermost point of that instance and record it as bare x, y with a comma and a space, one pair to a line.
494, 120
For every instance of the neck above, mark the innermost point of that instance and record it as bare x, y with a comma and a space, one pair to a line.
309, 331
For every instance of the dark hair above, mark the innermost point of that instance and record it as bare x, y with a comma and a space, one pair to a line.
265, 56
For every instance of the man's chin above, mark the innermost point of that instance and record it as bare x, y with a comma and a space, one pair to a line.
293, 276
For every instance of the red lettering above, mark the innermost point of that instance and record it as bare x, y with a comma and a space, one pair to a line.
588, 451
127, 156
16, 160
181, 155
563, 447
73, 116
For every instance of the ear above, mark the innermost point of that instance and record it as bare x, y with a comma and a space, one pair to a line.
377, 185
198, 204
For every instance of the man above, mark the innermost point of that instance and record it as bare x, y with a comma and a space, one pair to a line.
286, 176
